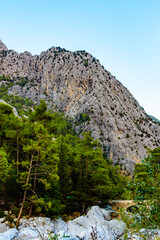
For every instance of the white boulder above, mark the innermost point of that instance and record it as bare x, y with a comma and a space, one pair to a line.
3, 227
60, 227
9, 235
106, 214
29, 233
91, 224
40, 225
117, 227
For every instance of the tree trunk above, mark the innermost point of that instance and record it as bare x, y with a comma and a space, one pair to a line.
34, 188
25, 192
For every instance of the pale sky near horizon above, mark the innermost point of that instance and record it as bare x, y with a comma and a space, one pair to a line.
123, 34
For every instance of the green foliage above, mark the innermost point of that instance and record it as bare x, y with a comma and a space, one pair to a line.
86, 63
9, 218
23, 81
121, 114
5, 109
127, 135
47, 169
91, 178
146, 182
2, 78
83, 117
2, 214
16, 101
15, 211
54, 237
145, 188
4, 167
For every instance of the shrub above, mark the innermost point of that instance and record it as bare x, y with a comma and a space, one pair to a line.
127, 135
86, 63
145, 188
2, 214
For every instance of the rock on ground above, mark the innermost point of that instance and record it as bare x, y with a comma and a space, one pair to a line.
92, 226
9, 235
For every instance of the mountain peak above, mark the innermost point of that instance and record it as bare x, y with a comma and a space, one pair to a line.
3, 46
77, 84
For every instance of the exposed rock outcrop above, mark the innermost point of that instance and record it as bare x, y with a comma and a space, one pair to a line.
76, 83
3, 46
92, 226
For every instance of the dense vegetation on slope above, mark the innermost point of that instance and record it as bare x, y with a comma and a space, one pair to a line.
77, 83
19, 103
145, 190
66, 173
45, 168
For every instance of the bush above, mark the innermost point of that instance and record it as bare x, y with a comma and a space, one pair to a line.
86, 63
127, 135
145, 187
2, 214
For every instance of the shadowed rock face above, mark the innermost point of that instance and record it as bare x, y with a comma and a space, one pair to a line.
76, 82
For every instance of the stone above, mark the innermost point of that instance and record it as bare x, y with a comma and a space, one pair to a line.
147, 234
118, 227
29, 233
38, 225
89, 227
60, 227
70, 238
91, 224
108, 207
75, 229
95, 214
2, 220
3, 46
106, 214
67, 83
150, 234
136, 237
3, 227
9, 235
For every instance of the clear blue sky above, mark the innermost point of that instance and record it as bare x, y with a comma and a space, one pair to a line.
123, 34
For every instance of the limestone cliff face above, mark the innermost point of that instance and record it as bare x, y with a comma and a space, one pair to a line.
76, 83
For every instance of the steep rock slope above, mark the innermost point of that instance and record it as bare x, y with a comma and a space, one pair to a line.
76, 83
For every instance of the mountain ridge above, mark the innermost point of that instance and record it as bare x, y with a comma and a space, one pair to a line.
76, 83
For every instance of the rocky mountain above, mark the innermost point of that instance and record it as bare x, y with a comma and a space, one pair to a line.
154, 118
76, 83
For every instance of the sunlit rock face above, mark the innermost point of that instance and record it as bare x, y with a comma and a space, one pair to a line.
75, 82
3, 46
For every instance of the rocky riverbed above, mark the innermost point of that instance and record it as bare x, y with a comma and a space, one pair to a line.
97, 224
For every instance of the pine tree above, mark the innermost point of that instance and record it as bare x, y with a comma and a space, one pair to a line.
4, 166
40, 166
